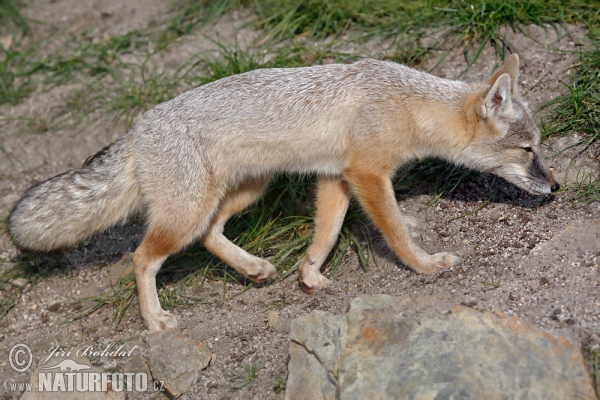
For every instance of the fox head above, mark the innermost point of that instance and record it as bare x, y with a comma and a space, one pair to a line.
505, 140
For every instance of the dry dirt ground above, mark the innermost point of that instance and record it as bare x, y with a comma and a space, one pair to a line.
498, 244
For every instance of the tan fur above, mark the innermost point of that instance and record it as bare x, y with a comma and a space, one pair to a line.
194, 161
333, 197
254, 268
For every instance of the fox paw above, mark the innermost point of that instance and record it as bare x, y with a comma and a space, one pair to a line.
438, 261
259, 270
312, 281
162, 321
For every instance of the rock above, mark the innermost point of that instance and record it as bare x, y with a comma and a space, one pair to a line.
577, 237
380, 351
19, 282
277, 324
121, 269
136, 364
70, 369
272, 319
317, 342
176, 360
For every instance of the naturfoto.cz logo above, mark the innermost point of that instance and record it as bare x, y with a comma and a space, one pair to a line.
68, 375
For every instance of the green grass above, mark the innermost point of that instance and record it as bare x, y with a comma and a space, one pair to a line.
33, 268
578, 111
191, 13
119, 297
279, 385
592, 358
11, 21
469, 25
242, 379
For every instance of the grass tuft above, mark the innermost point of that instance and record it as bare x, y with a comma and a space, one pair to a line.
198, 12
32, 268
242, 379
15, 85
11, 20
120, 297
578, 111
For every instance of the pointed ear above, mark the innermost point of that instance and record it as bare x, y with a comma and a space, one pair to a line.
510, 67
497, 104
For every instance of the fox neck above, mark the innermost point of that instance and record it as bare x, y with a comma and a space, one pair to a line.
444, 130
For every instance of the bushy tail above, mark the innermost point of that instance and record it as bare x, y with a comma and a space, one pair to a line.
66, 209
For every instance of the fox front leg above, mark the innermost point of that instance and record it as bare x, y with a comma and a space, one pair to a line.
376, 195
333, 197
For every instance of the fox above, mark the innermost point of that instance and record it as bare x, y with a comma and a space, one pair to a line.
191, 163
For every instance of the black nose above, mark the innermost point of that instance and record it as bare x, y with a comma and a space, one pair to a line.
555, 187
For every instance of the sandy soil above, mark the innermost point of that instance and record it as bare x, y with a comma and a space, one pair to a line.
500, 245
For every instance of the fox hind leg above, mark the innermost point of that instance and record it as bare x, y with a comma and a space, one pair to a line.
171, 228
333, 197
252, 267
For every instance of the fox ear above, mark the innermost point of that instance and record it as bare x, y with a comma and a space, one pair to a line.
510, 67
497, 104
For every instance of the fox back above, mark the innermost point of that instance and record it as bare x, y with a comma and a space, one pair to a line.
317, 119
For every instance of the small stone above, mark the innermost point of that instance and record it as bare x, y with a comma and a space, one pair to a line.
544, 280
121, 269
570, 321
272, 319
104, 331
535, 285
19, 282
552, 215
176, 360
495, 215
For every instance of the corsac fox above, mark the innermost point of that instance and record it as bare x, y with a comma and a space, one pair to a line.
194, 161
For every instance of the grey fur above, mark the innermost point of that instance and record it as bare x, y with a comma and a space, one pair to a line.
66, 209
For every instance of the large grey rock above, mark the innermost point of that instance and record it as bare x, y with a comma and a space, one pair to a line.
176, 360
318, 341
379, 350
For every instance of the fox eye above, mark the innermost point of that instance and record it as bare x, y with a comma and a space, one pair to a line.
528, 149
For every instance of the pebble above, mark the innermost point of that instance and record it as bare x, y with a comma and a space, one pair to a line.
19, 282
